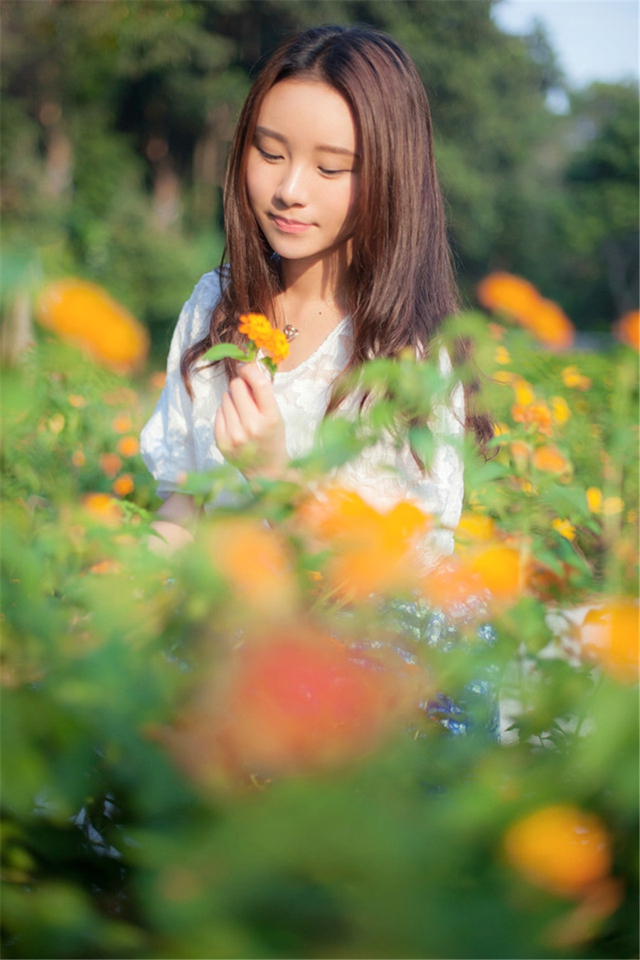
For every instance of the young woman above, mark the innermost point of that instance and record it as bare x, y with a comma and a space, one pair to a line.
335, 230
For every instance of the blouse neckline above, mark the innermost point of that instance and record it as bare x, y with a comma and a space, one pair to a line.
283, 374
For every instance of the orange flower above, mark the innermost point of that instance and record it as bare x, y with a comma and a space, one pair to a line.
128, 446
360, 536
76, 401
105, 567
123, 485
110, 464
257, 328
519, 300
121, 423
102, 507
550, 460
78, 458
449, 584
157, 380
294, 702
571, 377
88, 317
627, 329
610, 636
499, 569
560, 848
253, 559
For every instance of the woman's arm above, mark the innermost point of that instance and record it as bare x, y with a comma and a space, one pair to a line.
171, 529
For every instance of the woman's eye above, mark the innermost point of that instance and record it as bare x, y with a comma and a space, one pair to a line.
331, 173
269, 157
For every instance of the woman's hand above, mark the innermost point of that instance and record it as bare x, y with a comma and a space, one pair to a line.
248, 427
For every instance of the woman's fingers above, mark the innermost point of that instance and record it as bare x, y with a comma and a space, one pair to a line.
258, 379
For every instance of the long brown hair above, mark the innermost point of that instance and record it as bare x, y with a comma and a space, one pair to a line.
400, 284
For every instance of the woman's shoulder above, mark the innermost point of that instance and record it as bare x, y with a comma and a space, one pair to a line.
195, 317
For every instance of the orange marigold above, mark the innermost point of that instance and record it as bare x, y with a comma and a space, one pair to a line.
123, 485
255, 562
550, 459
257, 328
128, 446
110, 464
559, 848
627, 329
519, 300
500, 570
291, 703
610, 636
571, 377
360, 535
102, 506
85, 315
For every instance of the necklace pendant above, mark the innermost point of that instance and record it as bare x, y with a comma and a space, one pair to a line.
290, 332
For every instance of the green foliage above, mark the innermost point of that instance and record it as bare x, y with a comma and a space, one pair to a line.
114, 845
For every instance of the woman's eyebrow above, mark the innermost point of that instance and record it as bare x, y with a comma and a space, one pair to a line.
321, 147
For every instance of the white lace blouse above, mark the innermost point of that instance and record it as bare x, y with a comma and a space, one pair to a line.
178, 439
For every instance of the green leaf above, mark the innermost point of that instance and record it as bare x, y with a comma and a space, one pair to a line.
222, 350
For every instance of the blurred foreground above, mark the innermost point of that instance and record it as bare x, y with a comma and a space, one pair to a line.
246, 750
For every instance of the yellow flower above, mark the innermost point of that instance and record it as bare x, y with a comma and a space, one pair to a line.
594, 499
502, 355
612, 506
571, 377
524, 393
560, 410
506, 376
559, 848
85, 315
500, 429
564, 528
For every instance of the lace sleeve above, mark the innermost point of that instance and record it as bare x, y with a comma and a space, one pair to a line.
167, 440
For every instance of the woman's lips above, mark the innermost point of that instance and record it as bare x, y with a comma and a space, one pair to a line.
289, 226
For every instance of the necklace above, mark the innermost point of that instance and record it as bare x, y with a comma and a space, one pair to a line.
292, 332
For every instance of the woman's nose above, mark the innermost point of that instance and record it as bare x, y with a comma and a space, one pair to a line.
292, 188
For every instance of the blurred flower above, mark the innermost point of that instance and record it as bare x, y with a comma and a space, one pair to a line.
627, 329
76, 401
84, 314
123, 485
612, 506
56, 424
128, 446
505, 376
121, 397
519, 300
560, 410
537, 414
496, 331
500, 570
594, 499
560, 848
78, 458
105, 567
102, 506
520, 452
610, 636
450, 584
293, 702
565, 528
502, 355
360, 536
523, 392
474, 527
549, 459
110, 464
121, 423
571, 377
253, 559
500, 429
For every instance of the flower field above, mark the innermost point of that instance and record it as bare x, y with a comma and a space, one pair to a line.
282, 740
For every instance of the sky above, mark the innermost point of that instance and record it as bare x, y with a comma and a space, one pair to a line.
594, 39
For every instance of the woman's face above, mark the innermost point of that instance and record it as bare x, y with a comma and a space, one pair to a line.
302, 173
